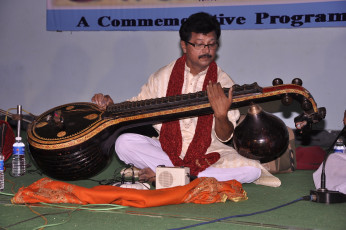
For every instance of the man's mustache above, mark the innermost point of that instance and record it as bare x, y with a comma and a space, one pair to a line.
205, 55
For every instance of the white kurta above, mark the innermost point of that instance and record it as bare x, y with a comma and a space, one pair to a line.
156, 87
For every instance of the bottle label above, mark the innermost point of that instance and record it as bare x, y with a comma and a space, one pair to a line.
1, 165
339, 149
18, 150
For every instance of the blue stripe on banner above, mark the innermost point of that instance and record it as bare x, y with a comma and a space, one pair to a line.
300, 15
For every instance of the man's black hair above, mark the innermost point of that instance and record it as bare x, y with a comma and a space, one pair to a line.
199, 23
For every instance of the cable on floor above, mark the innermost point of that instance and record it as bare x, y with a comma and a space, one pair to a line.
245, 215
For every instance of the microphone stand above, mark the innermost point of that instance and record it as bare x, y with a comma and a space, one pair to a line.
323, 195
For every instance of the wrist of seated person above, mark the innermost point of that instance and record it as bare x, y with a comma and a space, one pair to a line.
224, 141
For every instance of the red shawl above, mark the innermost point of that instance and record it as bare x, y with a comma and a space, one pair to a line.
170, 134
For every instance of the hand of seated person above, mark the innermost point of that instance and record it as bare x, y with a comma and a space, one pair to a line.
102, 100
300, 124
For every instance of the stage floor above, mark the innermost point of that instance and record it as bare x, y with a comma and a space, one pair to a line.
299, 215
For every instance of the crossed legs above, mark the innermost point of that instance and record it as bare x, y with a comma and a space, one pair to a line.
146, 154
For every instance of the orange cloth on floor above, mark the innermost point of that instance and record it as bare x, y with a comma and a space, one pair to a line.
200, 190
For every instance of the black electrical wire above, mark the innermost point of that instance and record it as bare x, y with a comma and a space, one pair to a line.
244, 215
116, 178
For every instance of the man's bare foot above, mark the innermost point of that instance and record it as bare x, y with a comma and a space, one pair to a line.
146, 175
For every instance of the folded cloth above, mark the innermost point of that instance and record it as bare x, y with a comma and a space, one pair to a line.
309, 158
203, 190
335, 170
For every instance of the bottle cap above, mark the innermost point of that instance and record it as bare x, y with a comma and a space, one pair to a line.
18, 138
340, 141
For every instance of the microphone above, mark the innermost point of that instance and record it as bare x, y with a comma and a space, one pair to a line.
323, 195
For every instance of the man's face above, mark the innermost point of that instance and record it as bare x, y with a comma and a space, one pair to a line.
199, 59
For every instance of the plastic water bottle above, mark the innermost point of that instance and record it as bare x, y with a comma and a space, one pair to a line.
18, 158
339, 146
2, 177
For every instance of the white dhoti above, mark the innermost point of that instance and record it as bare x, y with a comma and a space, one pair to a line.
146, 152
